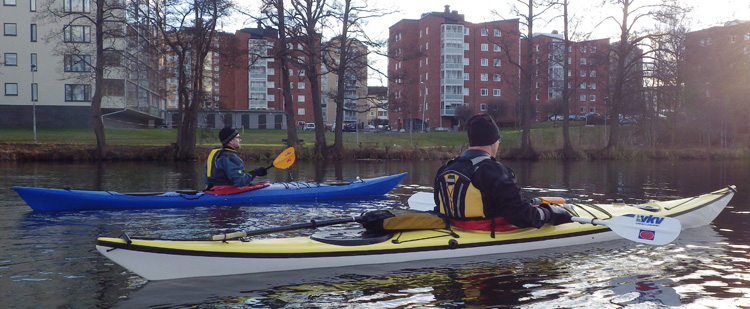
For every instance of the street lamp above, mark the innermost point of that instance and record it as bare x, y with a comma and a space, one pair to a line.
33, 100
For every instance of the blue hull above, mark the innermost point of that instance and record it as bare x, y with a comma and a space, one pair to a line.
42, 199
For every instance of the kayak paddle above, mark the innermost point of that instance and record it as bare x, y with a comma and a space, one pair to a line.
297, 226
284, 160
647, 229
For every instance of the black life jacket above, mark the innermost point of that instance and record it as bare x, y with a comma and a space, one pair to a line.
459, 198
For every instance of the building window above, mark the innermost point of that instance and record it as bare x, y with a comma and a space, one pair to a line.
9, 2
301, 98
496, 77
466, 76
77, 63
483, 107
466, 31
592, 49
76, 6
496, 62
484, 92
583, 86
484, 47
300, 85
300, 111
77, 34
496, 48
592, 85
583, 49
33, 62
592, 98
496, 92
77, 92
484, 62
537, 85
9, 29
583, 73
484, 77
11, 59
483, 32
32, 5
33, 32
582, 98
11, 89
497, 32
592, 74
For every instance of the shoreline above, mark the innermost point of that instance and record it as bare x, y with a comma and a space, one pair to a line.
30, 152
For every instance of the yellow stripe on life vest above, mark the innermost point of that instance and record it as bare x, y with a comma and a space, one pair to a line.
210, 161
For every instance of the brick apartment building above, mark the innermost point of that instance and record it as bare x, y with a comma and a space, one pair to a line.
717, 72
441, 63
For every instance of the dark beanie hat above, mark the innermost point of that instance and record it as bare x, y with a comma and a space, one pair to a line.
227, 134
482, 130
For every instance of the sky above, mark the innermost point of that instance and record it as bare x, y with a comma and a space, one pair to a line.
705, 14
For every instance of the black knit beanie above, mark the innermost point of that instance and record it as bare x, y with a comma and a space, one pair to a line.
482, 130
227, 134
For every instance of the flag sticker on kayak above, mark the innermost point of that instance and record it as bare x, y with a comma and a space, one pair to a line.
646, 234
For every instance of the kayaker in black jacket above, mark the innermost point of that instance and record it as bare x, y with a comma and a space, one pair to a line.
225, 170
478, 193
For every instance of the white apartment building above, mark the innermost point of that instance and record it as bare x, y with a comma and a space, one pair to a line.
46, 68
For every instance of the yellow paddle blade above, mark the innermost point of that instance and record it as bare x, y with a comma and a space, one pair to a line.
285, 159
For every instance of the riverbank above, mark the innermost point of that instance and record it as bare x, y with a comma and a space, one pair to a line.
31, 152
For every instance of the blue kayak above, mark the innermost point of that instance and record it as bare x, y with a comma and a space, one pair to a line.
43, 199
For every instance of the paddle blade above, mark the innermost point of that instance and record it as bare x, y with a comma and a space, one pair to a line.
285, 159
422, 201
647, 229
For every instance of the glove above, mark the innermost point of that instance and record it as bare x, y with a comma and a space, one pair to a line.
555, 215
259, 171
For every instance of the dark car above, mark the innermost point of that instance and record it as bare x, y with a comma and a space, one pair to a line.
349, 127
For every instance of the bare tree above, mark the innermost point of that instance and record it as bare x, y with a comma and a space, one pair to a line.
107, 20
307, 19
188, 30
627, 58
277, 15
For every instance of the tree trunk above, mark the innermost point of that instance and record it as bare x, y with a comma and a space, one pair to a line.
96, 100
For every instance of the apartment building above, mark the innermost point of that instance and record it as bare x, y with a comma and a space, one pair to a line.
356, 104
586, 78
47, 67
717, 71
440, 64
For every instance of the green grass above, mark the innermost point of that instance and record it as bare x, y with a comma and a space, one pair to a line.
544, 137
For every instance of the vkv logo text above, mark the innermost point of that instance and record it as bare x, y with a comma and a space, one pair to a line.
649, 219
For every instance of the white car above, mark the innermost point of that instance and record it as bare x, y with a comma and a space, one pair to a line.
309, 127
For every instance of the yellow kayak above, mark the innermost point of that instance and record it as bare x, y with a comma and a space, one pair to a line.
170, 259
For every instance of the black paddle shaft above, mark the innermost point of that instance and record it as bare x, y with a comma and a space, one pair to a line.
307, 225
297, 226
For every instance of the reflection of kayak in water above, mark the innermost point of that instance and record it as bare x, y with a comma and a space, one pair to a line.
644, 289
64, 199
164, 259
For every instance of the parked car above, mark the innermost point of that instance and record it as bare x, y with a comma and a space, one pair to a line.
309, 127
349, 127
557, 118
594, 119
575, 118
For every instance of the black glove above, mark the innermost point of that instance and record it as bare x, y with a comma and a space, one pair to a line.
555, 215
259, 171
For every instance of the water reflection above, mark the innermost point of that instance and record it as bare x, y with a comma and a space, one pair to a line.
48, 259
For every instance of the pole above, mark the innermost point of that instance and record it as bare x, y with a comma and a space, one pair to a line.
424, 105
33, 101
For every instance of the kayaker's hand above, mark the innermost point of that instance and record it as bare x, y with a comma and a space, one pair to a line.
259, 171
555, 215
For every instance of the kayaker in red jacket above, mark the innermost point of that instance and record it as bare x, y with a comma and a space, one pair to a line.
225, 170
478, 193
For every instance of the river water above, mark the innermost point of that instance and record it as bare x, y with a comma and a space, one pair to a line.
48, 260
